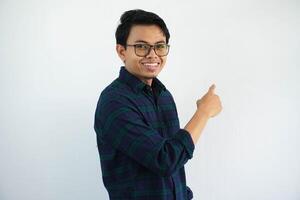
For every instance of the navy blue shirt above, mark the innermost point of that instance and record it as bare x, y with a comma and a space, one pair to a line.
142, 149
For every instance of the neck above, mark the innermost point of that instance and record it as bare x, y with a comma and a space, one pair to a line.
148, 81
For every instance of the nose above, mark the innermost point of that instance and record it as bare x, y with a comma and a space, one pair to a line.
151, 53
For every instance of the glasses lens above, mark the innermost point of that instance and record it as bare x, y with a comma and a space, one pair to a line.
144, 49
161, 49
141, 49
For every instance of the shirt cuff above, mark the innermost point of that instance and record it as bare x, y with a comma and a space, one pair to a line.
185, 138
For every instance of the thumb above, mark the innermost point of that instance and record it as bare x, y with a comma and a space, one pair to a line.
212, 89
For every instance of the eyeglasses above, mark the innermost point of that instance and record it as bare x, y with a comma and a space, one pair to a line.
143, 50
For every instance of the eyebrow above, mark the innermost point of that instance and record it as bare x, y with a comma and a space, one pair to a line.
143, 41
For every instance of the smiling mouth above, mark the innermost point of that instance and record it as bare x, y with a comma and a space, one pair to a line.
151, 67
154, 64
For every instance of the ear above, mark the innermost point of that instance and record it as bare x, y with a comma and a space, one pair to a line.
121, 52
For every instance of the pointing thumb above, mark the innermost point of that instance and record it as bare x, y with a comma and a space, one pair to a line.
212, 88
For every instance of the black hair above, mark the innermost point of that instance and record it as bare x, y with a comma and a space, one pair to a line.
138, 17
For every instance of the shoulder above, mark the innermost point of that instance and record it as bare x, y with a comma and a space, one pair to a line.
115, 87
116, 93
166, 96
115, 90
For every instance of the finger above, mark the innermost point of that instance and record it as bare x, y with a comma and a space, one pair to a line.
212, 89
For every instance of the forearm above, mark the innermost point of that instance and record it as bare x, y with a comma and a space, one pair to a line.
196, 124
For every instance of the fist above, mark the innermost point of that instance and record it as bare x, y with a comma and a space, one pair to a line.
210, 103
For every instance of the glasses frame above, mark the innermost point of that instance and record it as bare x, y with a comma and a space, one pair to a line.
151, 47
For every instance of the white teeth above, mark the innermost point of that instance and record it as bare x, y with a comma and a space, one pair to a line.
150, 64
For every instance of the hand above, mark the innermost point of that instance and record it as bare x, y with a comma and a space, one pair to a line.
210, 103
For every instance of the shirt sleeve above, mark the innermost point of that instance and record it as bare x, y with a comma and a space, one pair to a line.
190, 194
124, 128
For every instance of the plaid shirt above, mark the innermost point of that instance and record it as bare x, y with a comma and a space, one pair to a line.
141, 146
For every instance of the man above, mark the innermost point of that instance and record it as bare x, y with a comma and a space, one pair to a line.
141, 146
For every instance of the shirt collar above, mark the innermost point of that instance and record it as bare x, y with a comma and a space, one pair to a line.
136, 84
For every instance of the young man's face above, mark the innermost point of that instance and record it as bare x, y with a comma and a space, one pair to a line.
149, 66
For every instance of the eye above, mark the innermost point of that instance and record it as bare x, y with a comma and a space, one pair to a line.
160, 46
142, 46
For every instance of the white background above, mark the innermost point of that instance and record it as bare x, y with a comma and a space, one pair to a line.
56, 57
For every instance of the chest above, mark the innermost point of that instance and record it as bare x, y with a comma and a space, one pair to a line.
160, 113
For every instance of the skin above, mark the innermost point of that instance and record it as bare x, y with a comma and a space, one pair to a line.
208, 105
150, 34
